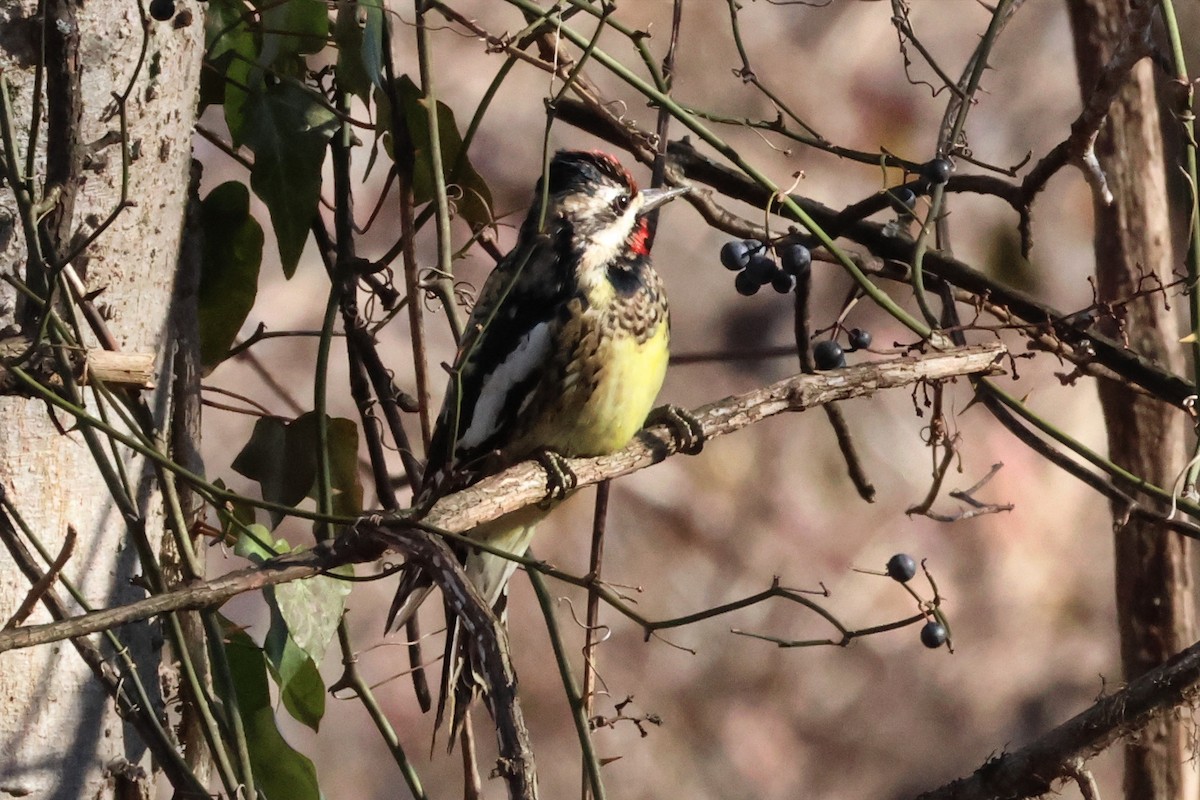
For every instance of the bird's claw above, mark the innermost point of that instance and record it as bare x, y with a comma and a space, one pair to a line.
560, 480
685, 428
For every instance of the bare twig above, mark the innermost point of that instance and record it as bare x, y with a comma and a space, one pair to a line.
126, 370
592, 624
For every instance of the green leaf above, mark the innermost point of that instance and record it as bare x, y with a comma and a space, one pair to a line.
287, 129
294, 670
228, 37
229, 262
280, 772
304, 618
277, 458
468, 192
295, 665
281, 456
256, 544
311, 610
343, 467
358, 34
303, 693
292, 28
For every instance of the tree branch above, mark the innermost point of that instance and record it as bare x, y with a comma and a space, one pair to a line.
690, 163
1030, 771
525, 484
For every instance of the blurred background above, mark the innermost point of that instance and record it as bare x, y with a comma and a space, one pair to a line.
1028, 593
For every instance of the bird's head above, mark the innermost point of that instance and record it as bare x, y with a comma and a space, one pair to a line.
599, 200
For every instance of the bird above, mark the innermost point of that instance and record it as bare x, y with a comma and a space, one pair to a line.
564, 355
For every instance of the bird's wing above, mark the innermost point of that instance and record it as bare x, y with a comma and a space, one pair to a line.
504, 354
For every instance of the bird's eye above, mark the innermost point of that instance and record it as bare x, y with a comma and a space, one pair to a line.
621, 203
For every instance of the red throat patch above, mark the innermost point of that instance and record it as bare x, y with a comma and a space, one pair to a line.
639, 240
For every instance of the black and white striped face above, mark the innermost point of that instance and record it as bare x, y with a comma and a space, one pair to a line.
598, 198
593, 194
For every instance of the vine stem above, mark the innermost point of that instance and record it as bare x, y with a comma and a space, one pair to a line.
880, 297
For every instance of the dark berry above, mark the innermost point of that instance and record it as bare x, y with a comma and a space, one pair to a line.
859, 339
933, 635
162, 10
761, 268
746, 284
901, 567
936, 171
902, 198
736, 254
828, 355
783, 282
796, 259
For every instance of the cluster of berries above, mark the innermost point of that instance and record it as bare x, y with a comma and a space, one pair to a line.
755, 268
901, 567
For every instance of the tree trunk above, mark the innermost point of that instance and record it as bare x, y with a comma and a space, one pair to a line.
59, 734
1155, 599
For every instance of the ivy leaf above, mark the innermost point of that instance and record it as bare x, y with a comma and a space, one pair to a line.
282, 457
469, 193
228, 38
256, 544
292, 28
312, 610
343, 467
302, 691
304, 617
229, 263
276, 457
287, 128
280, 771
358, 34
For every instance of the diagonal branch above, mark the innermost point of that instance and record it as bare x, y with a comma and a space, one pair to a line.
690, 164
525, 484
1030, 771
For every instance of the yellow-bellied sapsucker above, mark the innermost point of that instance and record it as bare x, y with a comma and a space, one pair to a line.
564, 355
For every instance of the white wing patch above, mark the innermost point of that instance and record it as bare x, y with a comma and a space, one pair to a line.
530, 354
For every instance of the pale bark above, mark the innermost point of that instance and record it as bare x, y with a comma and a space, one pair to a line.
59, 735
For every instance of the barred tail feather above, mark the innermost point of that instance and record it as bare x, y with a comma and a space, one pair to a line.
462, 679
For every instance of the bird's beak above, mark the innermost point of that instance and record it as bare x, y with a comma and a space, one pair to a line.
653, 198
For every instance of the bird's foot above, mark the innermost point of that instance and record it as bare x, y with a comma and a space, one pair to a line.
685, 428
560, 480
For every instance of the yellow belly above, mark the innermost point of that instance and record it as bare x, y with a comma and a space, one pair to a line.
603, 409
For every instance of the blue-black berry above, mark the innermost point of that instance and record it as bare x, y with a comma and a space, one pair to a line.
796, 259
859, 339
902, 198
162, 10
736, 254
761, 268
746, 284
783, 282
828, 355
937, 171
933, 635
901, 567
